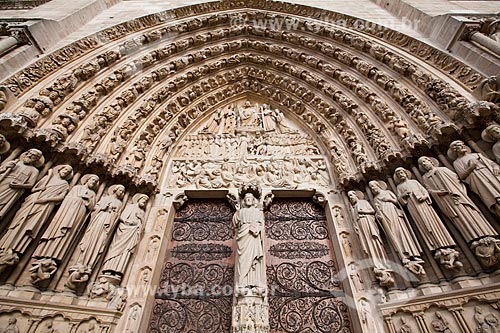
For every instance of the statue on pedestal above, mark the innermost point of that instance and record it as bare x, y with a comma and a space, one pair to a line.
451, 197
17, 176
396, 227
368, 233
36, 209
126, 236
479, 172
250, 311
418, 201
102, 220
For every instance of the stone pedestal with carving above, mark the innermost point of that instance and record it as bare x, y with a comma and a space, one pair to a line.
251, 314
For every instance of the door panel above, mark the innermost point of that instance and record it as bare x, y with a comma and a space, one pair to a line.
306, 294
195, 290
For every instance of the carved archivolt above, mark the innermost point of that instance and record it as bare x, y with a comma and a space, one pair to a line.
169, 74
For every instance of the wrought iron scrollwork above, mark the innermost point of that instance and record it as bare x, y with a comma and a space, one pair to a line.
306, 296
203, 252
191, 316
303, 250
303, 278
203, 221
196, 284
309, 315
296, 220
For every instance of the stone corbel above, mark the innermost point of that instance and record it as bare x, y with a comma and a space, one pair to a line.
179, 200
320, 199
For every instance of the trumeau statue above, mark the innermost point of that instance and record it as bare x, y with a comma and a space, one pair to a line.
368, 233
36, 209
126, 236
479, 172
249, 223
435, 235
17, 176
396, 227
70, 216
102, 220
451, 196
250, 311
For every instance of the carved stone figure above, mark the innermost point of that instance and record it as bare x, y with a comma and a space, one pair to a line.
486, 323
451, 196
394, 223
78, 276
479, 172
355, 277
249, 223
414, 196
440, 324
70, 216
102, 220
49, 327
250, 311
492, 134
42, 270
126, 236
7, 258
368, 233
490, 87
36, 209
448, 257
12, 326
405, 328
4, 145
248, 115
17, 176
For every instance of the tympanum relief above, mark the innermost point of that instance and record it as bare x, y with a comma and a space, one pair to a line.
248, 141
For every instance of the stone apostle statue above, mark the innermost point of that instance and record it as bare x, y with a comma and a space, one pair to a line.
367, 229
492, 134
68, 219
36, 209
481, 173
127, 235
102, 220
249, 223
414, 196
451, 196
17, 176
396, 226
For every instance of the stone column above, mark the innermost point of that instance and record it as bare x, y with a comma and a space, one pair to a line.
485, 41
